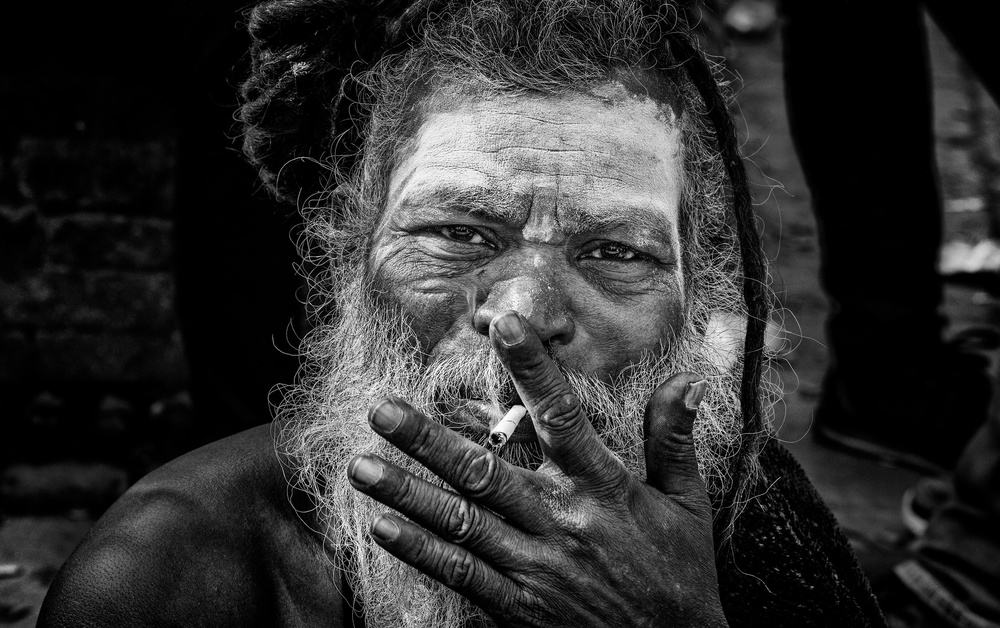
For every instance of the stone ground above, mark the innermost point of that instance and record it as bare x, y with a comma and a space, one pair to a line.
864, 496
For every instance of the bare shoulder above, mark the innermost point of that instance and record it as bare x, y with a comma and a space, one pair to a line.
208, 539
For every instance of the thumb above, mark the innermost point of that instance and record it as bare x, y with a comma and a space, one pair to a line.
671, 465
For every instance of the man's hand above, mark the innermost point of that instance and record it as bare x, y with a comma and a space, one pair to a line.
579, 542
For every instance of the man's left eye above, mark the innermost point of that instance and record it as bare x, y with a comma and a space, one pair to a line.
613, 251
461, 233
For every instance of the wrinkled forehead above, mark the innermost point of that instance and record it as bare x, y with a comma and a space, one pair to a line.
602, 151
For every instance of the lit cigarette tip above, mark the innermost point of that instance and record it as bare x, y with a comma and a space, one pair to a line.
506, 426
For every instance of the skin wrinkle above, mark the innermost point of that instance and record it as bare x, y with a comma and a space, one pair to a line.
462, 523
432, 152
489, 112
437, 295
543, 227
444, 193
482, 472
613, 179
527, 148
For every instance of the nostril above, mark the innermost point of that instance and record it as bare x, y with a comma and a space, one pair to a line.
481, 322
558, 331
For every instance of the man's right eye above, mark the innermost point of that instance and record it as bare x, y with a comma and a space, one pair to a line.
461, 233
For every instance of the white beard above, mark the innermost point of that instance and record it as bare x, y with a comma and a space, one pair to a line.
369, 353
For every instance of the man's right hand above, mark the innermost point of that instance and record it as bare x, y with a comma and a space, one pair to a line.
579, 542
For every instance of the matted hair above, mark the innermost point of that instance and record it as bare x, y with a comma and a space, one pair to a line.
336, 86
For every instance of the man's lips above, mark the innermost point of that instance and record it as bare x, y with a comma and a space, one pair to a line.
479, 417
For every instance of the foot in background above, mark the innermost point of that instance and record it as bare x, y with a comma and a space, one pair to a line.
899, 423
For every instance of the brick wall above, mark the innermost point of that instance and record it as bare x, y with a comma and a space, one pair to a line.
99, 253
86, 281
89, 336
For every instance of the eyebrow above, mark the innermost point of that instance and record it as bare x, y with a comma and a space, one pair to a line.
482, 202
634, 219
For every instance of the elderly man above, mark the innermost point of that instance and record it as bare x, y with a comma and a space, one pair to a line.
509, 202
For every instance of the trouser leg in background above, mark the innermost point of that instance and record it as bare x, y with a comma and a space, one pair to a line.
859, 104
957, 565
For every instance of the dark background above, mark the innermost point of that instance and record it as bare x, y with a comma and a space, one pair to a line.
144, 283
148, 292
147, 286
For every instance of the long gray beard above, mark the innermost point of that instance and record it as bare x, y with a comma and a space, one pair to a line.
369, 353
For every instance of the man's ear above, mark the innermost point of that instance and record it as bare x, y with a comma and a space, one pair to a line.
725, 335
724, 338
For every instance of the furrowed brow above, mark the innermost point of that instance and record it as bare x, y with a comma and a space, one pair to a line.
632, 219
482, 202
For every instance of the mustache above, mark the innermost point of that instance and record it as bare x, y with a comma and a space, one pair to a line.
471, 370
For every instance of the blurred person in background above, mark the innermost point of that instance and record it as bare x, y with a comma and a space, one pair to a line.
858, 89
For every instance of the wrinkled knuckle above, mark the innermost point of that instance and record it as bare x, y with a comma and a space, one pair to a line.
424, 439
477, 472
532, 364
461, 522
675, 443
458, 569
424, 550
564, 412
404, 494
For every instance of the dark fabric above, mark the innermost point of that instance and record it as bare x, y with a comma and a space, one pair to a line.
858, 92
859, 99
789, 563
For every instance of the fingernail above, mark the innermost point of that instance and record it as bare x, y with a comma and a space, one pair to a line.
385, 529
366, 472
510, 329
695, 393
386, 416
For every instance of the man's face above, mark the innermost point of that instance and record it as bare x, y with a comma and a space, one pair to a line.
562, 208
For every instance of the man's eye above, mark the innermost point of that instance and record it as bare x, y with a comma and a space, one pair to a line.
461, 233
612, 251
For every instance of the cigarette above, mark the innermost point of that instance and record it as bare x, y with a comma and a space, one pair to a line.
503, 429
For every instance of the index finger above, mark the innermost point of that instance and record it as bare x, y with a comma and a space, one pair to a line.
470, 469
564, 432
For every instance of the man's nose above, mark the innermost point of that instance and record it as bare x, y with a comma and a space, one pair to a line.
538, 299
